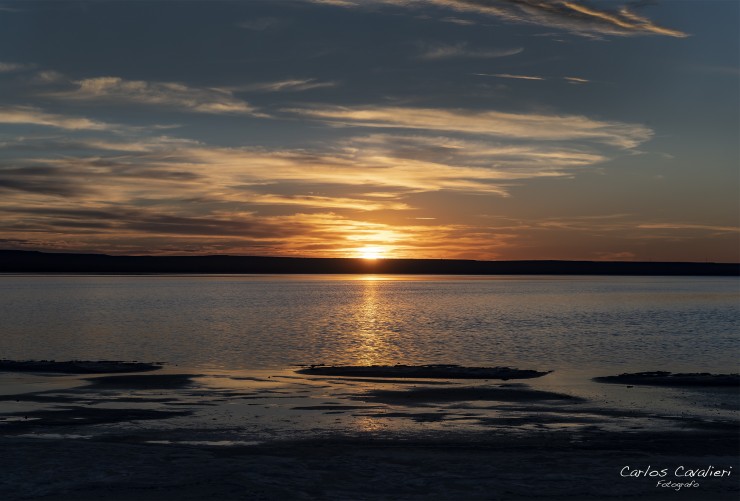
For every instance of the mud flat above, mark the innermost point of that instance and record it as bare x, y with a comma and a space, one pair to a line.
422, 371
662, 378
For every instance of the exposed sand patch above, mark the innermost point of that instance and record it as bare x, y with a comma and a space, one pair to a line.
76, 366
422, 371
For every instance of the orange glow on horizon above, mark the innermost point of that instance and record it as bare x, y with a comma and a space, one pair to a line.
371, 253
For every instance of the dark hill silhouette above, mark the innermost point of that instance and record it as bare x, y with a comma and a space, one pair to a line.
13, 261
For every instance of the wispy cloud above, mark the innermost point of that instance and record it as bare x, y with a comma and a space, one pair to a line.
366, 173
47, 77
289, 85
35, 116
7, 67
509, 75
360, 204
688, 226
487, 123
461, 50
616, 223
501, 161
576, 17
165, 94
457, 20
40, 180
571, 80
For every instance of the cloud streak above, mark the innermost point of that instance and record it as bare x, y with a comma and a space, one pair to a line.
6, 67
461, 50
532, 126
290, 85
116, 90
509, 75
576, 80
571, 80
576, 17
29, 115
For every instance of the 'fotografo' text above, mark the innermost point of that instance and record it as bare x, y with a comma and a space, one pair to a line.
676, 485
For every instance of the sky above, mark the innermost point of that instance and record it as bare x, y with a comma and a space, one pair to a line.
476, 129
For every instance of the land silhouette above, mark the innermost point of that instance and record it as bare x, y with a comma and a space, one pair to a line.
15, 261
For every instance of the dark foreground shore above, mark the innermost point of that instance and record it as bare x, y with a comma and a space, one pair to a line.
270, 435
559, 466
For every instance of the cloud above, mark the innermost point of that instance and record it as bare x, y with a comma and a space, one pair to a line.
366, 173
616, 223
165, 94
360, 204
46, 77
572, 16
457, 20
532, 126
686, 226
576, 17
148, 221
6, 67
67, 143
461, 50
576, 80
34, 116
622, 19
40, 180
167, 195
571, 80
354, 165
291, 85
509, 75
501, 161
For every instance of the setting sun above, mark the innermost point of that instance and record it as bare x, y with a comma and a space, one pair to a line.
371, 253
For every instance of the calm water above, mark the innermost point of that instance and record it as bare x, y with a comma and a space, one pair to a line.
599, 324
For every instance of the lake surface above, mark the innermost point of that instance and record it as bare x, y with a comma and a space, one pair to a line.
593, 324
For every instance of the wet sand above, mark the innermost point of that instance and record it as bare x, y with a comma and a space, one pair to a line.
193, 434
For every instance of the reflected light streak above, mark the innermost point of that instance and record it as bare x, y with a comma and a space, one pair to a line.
372, 346
369, 424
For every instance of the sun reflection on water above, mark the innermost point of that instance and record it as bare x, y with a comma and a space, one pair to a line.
372, 339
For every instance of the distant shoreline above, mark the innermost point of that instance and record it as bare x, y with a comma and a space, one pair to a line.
12, 261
